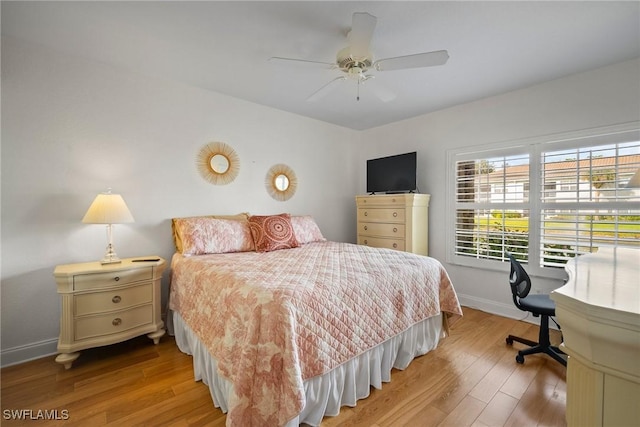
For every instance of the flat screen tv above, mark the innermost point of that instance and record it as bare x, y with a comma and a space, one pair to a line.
393, 174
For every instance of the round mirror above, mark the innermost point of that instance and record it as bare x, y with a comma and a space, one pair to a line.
281, 182
218, 163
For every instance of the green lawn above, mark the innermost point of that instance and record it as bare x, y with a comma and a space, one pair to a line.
631, 229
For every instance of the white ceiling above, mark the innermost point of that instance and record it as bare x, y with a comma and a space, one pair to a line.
494, 47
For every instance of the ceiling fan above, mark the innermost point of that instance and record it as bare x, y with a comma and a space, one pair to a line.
356, 60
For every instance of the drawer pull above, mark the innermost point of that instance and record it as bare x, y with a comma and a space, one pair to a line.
366, 242
117, 321
395, 246
366, 228
395, 214
116, 278
116, 299
366, 213
395, 229
393, 200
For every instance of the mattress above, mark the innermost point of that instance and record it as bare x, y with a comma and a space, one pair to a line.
274, 321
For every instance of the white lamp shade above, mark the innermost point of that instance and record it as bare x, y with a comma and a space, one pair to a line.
108, 209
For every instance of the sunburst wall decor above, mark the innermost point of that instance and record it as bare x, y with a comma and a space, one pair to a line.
218, 163
281, 182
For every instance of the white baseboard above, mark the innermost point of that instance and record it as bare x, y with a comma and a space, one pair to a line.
493, 307
25, 353
500, 309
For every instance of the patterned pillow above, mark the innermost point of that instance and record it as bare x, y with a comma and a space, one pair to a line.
306, 229
202, 235
272, 232
176, 236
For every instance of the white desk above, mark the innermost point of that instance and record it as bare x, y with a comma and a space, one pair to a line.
599, 312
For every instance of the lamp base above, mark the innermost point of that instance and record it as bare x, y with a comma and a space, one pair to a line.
110, 256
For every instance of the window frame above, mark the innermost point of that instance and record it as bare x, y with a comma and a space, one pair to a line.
534, 147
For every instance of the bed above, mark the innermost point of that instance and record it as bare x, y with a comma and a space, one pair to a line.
285, 327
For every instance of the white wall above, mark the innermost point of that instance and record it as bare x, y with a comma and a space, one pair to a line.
601, 97
73, 127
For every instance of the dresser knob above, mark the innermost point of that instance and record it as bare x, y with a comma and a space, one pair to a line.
395, 246
393, 200
395, 214
117, 321
366, 228
366, 242
116, 279
366, 213
116, 299
395, 229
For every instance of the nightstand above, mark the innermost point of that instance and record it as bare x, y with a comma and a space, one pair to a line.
106, 304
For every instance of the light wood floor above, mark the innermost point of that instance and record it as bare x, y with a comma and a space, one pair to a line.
471, 379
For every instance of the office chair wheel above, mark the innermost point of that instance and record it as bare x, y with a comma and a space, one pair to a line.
520, 359
509, 341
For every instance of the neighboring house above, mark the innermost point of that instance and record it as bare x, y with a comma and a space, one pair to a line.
593, 178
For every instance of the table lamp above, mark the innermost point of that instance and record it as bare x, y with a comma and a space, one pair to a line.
108, 209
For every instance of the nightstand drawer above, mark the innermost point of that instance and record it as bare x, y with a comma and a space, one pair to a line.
95, 326
381, 215
381, 229
376, 242
100, 302
83, 282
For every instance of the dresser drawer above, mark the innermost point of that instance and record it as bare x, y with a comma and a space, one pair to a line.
381, 201
83, 282
377, 242
100, 302
381, 229
381, 215
105, 324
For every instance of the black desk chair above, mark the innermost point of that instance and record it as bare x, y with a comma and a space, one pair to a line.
538, 305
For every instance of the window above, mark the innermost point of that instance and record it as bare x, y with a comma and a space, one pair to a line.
545, 200
487, 223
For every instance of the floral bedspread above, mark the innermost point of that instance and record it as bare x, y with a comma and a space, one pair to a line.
274, 319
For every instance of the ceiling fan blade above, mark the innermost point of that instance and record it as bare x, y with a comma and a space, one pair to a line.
362, 26
324, 90
302, 62
418, 60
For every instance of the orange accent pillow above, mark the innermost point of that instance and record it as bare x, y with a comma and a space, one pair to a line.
272, 232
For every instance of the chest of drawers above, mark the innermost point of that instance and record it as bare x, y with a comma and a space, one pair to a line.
394, 221
106, 304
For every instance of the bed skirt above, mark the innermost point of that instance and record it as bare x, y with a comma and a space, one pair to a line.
325, 394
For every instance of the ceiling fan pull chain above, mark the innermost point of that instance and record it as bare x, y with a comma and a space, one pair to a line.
358, 94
